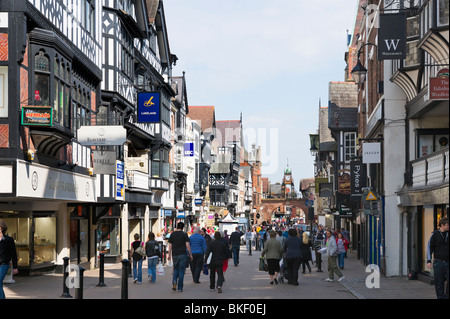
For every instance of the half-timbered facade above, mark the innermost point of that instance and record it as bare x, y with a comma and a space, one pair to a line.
50, 83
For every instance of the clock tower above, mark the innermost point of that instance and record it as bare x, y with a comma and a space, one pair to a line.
287, 186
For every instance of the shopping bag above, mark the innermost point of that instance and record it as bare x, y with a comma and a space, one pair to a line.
160, 269
205, 269
313, 255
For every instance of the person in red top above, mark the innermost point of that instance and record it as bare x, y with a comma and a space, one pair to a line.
342, 245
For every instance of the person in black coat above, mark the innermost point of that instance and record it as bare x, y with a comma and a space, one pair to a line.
305, 246
293, 256
219, 253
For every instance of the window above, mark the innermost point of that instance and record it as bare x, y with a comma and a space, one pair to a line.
349, 145
443, 15
160, 164
42, 78
81, 102
88, 15
62, 92
430, 141
127, 56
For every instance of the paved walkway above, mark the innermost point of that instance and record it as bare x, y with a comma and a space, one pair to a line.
242, 282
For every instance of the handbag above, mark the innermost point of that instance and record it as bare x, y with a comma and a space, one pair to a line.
262, 264
140, 251
208, 261
205, 269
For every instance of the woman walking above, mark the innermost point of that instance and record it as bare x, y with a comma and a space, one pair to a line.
153, 253
273, 252
219, 253
137, 259
293, 256
306, 246
342, 245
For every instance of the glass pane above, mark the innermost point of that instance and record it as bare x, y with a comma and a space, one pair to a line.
44, 240
425, 145
41, 62
42, 89
56, 103
66, 106
108, 236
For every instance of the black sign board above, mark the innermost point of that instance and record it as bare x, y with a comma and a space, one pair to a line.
392, 36
326, 190
358, 177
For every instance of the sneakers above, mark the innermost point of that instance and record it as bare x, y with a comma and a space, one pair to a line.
219, 290
329, 279
341, 278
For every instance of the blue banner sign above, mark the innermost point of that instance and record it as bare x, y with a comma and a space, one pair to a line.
189, 149
149, 107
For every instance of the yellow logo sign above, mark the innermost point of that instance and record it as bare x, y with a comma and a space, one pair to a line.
149, 102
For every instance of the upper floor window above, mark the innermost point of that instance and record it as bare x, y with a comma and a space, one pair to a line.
127, 53
88, 15
442, 11
349, 145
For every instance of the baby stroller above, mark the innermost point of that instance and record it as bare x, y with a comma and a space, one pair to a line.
283, 274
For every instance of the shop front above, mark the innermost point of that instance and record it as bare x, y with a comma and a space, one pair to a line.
108, 232
35, 237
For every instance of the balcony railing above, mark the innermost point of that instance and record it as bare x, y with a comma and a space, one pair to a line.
431, 170
137, 179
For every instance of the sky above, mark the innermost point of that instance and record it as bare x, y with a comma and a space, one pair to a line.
272, 61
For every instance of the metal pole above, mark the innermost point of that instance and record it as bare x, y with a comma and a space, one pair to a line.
79, 289
124, 287
101, 281
65, 293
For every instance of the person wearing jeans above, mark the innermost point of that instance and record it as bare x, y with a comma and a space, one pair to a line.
7, 253
438, 251
178, 245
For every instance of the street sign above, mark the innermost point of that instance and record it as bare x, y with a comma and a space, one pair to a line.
309, 203
371, 196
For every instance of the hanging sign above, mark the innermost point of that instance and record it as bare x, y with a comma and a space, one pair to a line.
392, 36
39, 116
371, 153
149, 107
438, 88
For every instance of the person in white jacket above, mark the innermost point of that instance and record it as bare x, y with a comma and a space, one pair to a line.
332, 252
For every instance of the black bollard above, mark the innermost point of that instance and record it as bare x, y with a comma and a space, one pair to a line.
250, 247
129, 264
79, 287
101, 281
124, 279
65, 293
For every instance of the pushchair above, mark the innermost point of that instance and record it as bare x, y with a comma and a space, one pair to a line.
283, 273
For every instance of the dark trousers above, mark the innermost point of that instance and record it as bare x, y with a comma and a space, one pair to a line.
305, 262
196, 266
235, 249
212, 275
440, 276
293, 264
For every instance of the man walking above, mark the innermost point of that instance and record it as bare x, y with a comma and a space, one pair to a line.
178, 246
198, 249
7, 253
332, 252
438, 248
235, 241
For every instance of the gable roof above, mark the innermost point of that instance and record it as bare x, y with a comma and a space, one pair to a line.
205, 115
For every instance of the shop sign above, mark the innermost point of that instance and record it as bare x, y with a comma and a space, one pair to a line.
102, 135
38, 181
104, 162
371, 153
326, 190
167, 213
358, 176
120, 188
198, 201
438, 88
189, 149
344, 184
137, 163
181, 214
392, 36
35, 115
148, 107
